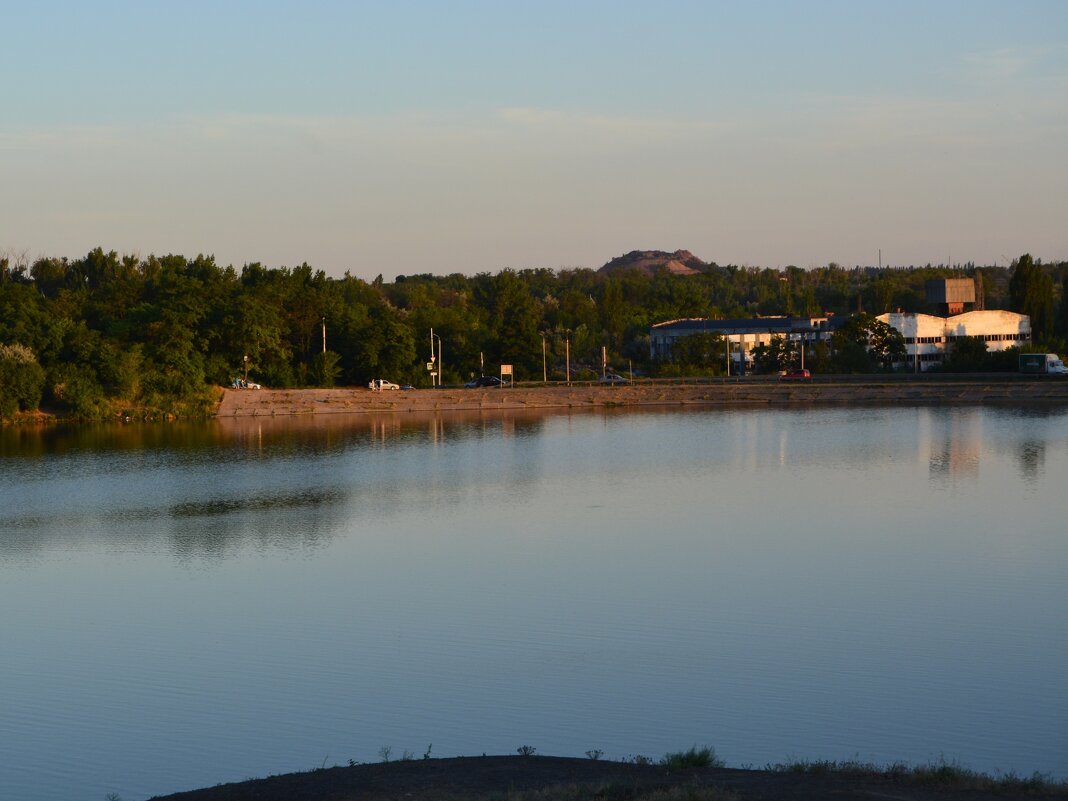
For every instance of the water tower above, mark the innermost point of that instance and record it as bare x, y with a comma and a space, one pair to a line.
949, 295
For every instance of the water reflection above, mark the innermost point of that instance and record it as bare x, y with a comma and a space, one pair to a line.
210, 488
1031, 455
264, 435
955, 445
205, 603
33, 442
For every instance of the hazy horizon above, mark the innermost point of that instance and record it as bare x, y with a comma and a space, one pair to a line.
473, 137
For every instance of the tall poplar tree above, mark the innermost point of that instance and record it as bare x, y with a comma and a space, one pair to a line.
1031, 293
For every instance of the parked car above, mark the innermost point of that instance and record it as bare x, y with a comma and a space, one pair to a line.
795, 374
612, 378
381, 383
484, 381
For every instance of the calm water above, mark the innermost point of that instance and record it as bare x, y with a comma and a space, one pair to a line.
188, 605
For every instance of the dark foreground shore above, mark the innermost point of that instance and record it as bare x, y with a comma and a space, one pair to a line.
537, 778
828, 391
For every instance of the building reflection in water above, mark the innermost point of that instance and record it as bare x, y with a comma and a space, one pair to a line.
954, 443
1031, 455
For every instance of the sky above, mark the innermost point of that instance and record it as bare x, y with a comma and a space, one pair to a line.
410, 137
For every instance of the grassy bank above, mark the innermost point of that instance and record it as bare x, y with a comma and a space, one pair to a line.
693, 775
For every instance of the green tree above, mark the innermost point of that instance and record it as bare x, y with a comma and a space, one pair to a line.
704, 351
21, 380
865, 344
514, 319
1031, 292
968, 355
774, 356
324, 368
75, 388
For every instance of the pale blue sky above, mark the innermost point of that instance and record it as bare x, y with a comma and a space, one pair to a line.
471, 136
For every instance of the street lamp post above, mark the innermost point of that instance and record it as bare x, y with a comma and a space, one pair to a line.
544, 372
441, 363
246, 368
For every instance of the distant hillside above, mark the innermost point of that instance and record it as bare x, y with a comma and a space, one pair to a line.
681, 262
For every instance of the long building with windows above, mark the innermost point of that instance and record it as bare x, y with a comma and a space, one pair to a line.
741, 335
929, 338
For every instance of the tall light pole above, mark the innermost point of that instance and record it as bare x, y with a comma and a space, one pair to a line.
544, 372
441, 363
433, 373
324, 335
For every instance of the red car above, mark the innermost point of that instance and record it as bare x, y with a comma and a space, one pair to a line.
795, 374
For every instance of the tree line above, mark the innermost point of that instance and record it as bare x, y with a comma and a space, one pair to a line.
108, 334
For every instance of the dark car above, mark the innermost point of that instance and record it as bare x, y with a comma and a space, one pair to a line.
484, 381
796, 374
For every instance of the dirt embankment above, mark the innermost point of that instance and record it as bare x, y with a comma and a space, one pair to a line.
744, 392
547, 778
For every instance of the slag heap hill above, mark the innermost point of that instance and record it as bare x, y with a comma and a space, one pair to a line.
681, 262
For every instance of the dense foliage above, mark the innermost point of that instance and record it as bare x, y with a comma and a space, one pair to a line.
106, 333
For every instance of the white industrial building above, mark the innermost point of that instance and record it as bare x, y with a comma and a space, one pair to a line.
928, 338
741, 336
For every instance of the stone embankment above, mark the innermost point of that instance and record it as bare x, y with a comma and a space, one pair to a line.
1010, 390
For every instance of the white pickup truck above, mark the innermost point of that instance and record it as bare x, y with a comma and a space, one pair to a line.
379, 384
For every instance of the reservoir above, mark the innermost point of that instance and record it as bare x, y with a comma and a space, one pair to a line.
190, 604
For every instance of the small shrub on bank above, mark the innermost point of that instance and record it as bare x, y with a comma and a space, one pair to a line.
694, 758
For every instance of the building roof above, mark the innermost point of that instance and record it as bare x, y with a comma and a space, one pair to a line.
748, 325
981, 321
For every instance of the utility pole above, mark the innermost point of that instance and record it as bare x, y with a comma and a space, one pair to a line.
544, 372
567, 351
324, 335
441, 359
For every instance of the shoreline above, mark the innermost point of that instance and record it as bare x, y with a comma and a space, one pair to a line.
832, 391
544, 778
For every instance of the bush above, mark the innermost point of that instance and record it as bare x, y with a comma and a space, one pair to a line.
21, 380
76, 389
694, 758
325, 369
